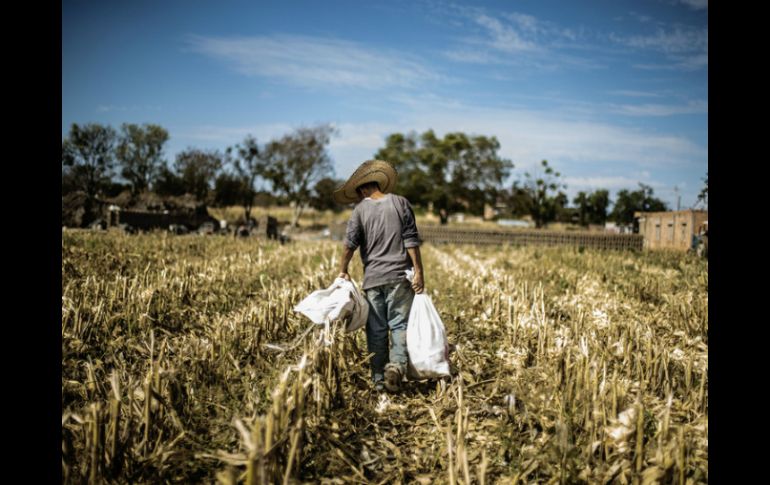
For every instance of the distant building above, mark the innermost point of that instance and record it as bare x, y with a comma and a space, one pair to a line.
515, 223
614, 228
670, 230
489, 212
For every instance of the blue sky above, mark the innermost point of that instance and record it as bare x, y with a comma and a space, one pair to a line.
611, 93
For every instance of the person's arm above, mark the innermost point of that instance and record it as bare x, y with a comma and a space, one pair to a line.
418, 283
353, 239
412, 244
347, 255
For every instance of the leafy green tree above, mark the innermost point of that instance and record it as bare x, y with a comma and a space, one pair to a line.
456, 173
582, 205
322, 197
518, 200
599, 201
641, 200
592, 207
562, 213
544, 193
88, 158
295, 162
403, 152
140, 152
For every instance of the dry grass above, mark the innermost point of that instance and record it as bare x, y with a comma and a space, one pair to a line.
570, 367
309, 217
312, 217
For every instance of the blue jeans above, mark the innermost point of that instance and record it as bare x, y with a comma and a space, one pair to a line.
389, 307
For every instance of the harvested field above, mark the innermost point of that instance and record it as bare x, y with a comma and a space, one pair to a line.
183, 362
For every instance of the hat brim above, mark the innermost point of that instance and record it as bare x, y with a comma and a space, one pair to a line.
372, 171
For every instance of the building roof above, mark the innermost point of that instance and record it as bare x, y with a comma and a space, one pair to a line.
661, 213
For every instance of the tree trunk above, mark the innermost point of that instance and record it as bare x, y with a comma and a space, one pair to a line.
298, 208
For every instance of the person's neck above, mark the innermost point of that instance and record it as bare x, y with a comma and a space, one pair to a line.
376, 195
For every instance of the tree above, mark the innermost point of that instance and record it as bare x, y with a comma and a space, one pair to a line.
518, 200
582, 206
322, 198
641, 200
168, 183
598, 201
543, 191
140, 152
197, 169
455, 173
402, 151
294, 162
249, 166
113, 189
88, 158
592, 207
230, 189
562, 213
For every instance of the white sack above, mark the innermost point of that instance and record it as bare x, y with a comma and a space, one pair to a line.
341, 300
426, 340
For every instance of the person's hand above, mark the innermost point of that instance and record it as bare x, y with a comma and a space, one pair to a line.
344, 276
417, 283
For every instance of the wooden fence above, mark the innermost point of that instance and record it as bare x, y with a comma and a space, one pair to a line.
520, 237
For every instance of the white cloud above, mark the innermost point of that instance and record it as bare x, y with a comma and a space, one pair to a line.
610, 183
528, 137
504, 37
696, 4
525, 136
110, 108
695, 62
685, 47
679, 41
233, 134
472, 56
524, 21
634, 94
577, 148
693, 107
521, 40
641, 18
316, 61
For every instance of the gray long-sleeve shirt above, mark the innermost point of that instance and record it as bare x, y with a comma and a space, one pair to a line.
376, 228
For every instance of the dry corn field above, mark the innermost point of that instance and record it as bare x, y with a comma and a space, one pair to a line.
182, 362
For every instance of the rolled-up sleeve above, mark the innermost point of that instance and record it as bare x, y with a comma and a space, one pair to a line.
354, 233
409, 230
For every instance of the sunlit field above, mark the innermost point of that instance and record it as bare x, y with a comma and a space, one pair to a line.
183, 362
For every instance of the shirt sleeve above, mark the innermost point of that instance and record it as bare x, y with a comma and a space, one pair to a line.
409, 230
354, 232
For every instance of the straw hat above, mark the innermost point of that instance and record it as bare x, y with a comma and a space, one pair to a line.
370, 171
